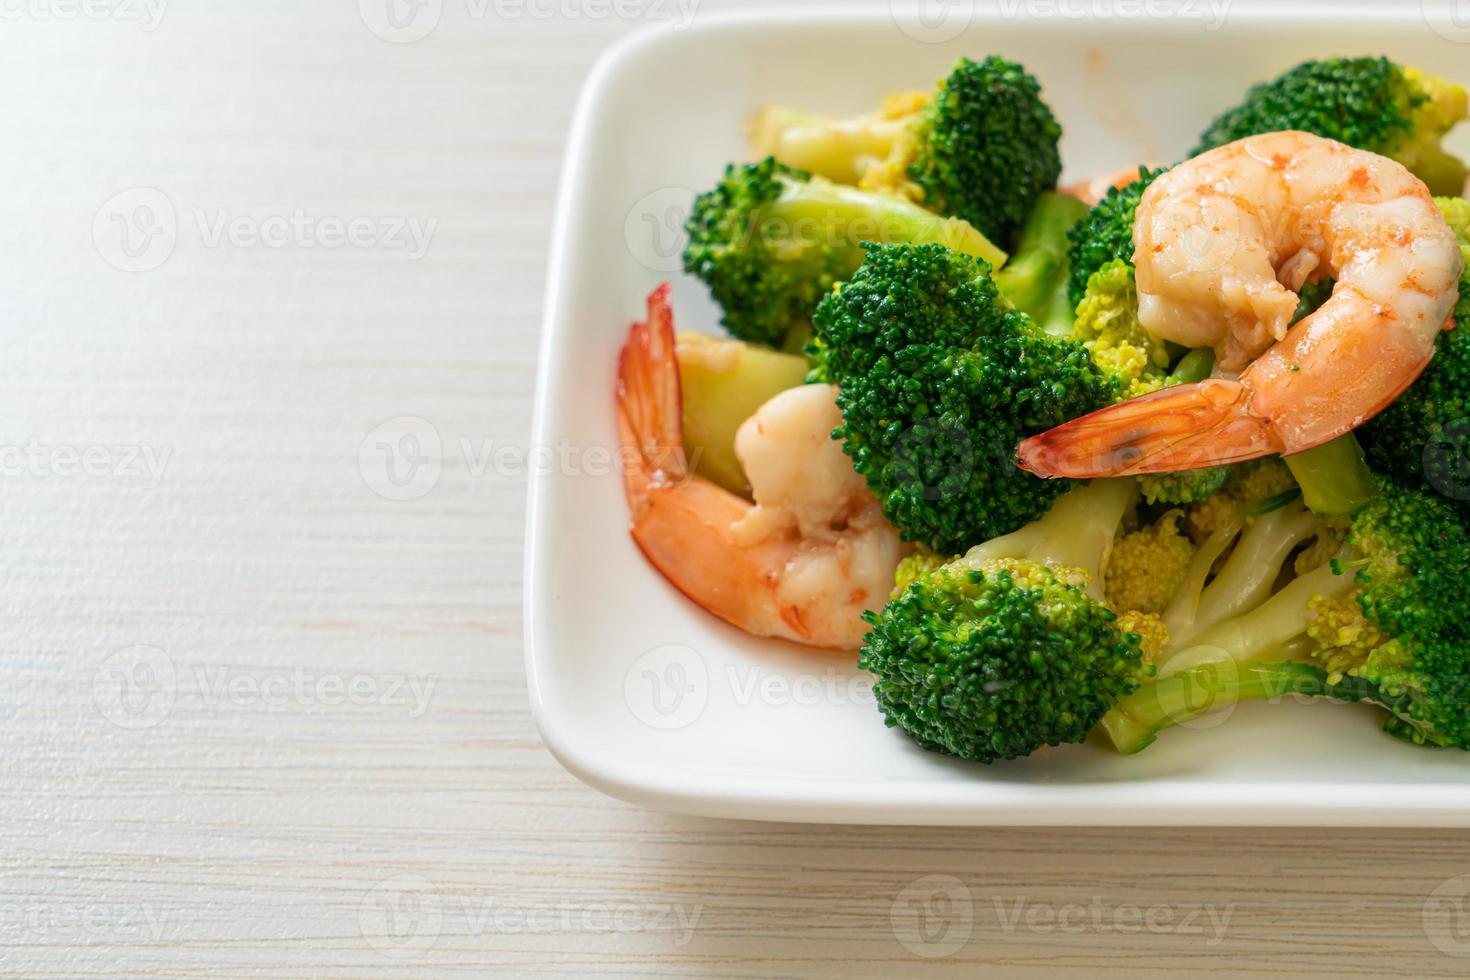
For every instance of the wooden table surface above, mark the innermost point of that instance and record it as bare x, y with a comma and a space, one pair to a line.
261, 717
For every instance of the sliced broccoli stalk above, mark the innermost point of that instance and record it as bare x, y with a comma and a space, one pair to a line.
837, 149
770, 242
1334, 477
1035, 279
723, 382
983, 146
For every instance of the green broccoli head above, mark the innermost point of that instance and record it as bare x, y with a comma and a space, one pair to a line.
1412, 560
1106, 234
995, 660
986, 147
983, 146
1189, 487
939, 378
770, 242
1424, 436
1370, 103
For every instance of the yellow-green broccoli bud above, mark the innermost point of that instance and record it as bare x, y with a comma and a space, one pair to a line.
1148, 566
1153, 635
1443, 105
1344, 636
1107, 324
923, 561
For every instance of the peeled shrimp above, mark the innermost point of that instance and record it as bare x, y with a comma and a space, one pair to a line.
1222, 244
806, 559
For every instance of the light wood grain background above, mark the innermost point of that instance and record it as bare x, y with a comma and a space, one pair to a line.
259, 720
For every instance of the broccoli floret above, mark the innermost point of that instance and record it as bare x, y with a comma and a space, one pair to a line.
1405, 647
1106, 233
1107, 324
1425, 434
964, 656
1370, 103
939, 378
983, 147
923, 561
994, 660
770, 242
1149, 565
1035, 278
1188, 487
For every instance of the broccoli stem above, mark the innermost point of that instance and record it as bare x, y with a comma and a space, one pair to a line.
1183, 611
1194, 366
1136, 720
1333, 477
1035, 279
1077, 532
837, 149
1256, 563
1261, 633
831, 214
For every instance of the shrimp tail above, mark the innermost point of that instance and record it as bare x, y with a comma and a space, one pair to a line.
1183, 427
680, 522
650, 404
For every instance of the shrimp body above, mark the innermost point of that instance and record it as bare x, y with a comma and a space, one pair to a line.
1222, 244
806, 559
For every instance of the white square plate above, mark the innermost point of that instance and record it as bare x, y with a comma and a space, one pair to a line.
645, 696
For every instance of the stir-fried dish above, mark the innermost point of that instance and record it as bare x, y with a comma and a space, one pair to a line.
1081, 462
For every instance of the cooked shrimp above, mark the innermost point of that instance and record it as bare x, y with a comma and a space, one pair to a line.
1221, 245
806, 559
1095, 188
